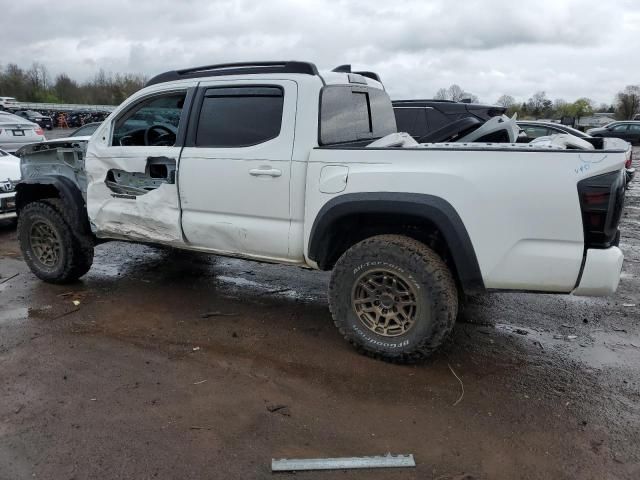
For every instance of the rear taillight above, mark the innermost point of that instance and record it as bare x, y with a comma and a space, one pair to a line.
39, 131
601, 202
629, 163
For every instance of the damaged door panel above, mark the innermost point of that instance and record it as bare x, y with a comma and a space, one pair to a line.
159, 170
132, 191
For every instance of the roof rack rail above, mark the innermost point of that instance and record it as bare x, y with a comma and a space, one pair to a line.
347, 69
240, 68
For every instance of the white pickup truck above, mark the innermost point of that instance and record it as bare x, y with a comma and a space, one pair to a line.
276, 162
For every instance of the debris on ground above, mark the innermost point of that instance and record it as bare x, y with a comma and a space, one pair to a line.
198, 383
76, 302
281, 409
618, 329
381, 461
195, 349
628, 304
217, 314
520, 331
8, 278
461, 386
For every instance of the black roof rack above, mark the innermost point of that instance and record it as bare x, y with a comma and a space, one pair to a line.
347, 69
424, 100
241, 68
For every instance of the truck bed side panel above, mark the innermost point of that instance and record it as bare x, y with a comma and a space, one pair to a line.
520, 208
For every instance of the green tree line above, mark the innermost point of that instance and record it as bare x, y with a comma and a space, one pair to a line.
36, 85
625, 106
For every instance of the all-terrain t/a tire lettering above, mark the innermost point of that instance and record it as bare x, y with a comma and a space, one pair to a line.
393, 297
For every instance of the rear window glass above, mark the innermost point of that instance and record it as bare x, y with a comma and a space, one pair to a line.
239, 116
412, 120
351, 113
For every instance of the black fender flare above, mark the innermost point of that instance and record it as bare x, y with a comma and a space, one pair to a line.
428, 207
74, 203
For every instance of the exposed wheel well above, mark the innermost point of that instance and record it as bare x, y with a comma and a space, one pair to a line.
33, 192
67, 193
431, 220
351, 229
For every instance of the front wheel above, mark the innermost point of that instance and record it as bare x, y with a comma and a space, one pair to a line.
393, 297
48, 245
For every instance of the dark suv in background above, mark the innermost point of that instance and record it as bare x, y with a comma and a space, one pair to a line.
36, 117
421, 117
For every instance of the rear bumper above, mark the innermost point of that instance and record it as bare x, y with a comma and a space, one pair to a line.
601, 273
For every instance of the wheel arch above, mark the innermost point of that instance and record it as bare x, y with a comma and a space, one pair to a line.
60, 187
350, 218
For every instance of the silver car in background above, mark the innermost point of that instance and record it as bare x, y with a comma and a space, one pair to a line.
16, 132
9, 177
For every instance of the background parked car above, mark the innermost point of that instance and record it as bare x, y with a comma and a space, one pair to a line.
7, 103
36, 117
16, 132
9, 176
534, 129
421, 117
629, 131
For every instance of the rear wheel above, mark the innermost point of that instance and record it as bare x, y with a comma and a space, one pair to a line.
49, 246
393, 297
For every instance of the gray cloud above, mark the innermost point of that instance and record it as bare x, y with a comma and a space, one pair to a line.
569, 48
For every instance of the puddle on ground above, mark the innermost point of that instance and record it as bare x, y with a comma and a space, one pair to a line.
597, 349
264, 289
13, 314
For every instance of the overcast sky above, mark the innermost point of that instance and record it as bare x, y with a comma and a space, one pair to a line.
569, 48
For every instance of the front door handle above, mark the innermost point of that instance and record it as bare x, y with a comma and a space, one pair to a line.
267, 171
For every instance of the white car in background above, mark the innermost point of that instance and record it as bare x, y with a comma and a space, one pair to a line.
9, 177
16, 132
8, 102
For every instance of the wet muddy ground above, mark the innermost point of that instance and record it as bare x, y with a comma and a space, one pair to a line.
177, 365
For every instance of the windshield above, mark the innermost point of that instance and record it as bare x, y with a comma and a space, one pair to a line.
575, 131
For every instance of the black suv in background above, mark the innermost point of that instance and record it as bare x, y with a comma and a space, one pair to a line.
421, 117
36, 117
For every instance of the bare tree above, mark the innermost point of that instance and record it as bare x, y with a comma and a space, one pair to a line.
442, 94
506, 101
539, 105
455, 93
628, 102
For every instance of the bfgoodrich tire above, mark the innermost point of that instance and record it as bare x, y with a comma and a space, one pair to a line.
49, 246
393, 298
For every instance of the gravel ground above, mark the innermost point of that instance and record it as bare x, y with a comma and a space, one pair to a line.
136, 382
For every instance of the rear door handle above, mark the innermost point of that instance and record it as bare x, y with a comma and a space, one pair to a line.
267, 171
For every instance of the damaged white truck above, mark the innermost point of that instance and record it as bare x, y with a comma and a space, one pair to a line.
276, 162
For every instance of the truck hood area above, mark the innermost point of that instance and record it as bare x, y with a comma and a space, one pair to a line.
64, 157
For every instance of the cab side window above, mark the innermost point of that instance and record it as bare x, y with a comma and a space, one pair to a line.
232, 117
152, 122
